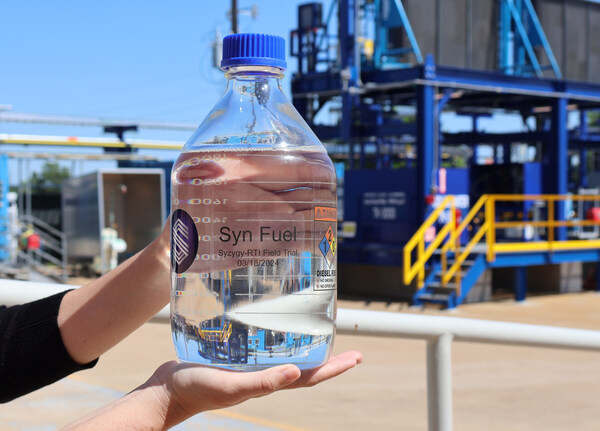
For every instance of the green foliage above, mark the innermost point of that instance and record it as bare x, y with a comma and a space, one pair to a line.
593, 117
51, 176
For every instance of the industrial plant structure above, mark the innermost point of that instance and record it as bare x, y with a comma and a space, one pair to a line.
432, 211
378, 78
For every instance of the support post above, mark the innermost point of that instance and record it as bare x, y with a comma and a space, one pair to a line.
361, 163
349, 73
520, 282
425, 138
583, 131
497, 154
234, 16
556, 172
583, 175
506, 146
439, 383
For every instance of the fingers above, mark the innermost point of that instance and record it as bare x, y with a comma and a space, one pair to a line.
288, 172
236, 387
332, 368
197, 388
270, 380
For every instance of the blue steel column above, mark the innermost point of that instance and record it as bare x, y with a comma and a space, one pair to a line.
425, 138
583, 176
556, 170
520, 282
583, 132
506, 153
346, 18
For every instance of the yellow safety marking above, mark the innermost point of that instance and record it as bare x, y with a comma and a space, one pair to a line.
257, 421
549, 223
455, 268
76, 142
418, 239
516, 247
69, 143
449, 234
523, 198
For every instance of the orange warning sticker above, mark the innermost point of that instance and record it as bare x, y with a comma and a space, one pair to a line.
325, 214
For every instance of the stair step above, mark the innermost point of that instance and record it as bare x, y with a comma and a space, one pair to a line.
434, 297
450, 287
440, 273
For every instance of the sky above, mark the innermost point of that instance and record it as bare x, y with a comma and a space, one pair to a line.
145, 60
128, 60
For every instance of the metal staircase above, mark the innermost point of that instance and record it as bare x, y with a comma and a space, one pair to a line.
447, 263
51, 259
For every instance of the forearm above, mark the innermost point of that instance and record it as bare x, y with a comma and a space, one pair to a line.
95, 317
146, 408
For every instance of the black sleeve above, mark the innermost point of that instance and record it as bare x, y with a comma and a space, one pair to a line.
32, 353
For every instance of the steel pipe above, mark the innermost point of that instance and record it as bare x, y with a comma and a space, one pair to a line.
407, 325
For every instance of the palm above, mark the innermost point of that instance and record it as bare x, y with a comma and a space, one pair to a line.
197, 388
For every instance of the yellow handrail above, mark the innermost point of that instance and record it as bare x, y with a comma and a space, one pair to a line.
451, 244
455, 268
418, 239
449, 235
490, 216
216, 334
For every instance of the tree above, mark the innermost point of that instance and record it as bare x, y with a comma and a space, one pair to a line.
51, 176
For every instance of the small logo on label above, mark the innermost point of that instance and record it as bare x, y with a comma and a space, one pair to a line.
184, 241
324, 246
331, 239
325, 214
328, 243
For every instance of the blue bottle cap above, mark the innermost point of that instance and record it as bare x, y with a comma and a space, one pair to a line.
253, 49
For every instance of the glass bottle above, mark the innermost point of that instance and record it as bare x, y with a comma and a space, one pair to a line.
254, 225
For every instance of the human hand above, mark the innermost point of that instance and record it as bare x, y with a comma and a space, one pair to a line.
178, 391
187, 389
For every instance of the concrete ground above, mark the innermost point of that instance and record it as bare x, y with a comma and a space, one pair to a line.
494, 387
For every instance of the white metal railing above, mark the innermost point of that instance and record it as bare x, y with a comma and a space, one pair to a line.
54, 249
440, 331
437, 331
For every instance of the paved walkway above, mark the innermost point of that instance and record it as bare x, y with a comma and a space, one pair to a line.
494, 387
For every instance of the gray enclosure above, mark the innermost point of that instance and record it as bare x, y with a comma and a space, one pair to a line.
131, 201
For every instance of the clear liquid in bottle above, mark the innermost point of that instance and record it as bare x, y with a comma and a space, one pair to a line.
261, 287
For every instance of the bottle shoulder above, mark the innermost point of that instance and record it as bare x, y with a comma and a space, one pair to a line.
241, 119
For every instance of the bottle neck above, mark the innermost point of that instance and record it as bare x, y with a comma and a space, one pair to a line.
253, 73
255, 84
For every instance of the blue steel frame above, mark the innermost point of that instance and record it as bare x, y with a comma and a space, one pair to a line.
381, 42
429, 87
556, 178
515, 47
424, 81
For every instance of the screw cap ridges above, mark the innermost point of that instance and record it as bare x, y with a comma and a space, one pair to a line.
253, 49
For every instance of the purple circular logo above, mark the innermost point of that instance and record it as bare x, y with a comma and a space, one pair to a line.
184, 241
